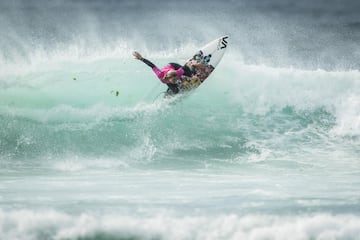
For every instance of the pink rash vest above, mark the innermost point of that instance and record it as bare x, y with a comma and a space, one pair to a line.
161, 73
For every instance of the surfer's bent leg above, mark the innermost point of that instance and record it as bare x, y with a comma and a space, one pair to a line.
173, 87
188, 71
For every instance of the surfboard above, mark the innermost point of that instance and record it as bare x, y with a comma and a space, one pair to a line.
203, 63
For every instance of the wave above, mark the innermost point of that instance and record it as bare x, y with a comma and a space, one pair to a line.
81, 94
267, 147
252, 89
243, 113
51, 224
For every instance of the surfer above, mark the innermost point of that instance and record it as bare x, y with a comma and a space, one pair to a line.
171, 74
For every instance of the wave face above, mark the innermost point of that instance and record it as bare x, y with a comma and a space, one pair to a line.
266, 148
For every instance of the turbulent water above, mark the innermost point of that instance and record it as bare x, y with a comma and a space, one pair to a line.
267, 148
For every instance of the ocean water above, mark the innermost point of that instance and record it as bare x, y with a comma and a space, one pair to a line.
267, 148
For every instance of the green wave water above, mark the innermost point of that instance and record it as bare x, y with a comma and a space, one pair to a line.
108, 108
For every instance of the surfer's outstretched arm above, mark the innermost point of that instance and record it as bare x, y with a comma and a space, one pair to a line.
155, 69
147, 62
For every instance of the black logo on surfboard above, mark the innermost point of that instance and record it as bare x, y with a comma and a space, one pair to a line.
222, 43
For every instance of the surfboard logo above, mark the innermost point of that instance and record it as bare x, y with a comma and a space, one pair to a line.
223, 43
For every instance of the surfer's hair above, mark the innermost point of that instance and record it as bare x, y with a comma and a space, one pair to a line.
171, 74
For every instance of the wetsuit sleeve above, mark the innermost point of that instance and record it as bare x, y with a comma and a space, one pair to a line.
155, 69
147, 62
160, 74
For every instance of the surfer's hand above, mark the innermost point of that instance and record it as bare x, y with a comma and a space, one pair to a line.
137, 55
